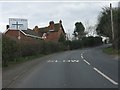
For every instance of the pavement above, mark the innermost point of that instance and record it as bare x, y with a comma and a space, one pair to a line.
86, 68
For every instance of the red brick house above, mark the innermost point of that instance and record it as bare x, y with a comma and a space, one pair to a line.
24, 36
52, 32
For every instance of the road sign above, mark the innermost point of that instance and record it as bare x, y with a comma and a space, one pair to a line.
18, 23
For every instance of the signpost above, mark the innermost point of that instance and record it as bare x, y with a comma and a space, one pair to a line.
18, 23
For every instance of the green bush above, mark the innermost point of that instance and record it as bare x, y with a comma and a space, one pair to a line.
111, 50
91, 41
86, 42
9, 50
13, 50
76, 44
51, 47
28, 50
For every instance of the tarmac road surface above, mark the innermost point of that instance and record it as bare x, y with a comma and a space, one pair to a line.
86, 68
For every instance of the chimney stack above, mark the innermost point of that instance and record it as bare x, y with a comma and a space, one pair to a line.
60, 21
51, 25
7, 26
36, 29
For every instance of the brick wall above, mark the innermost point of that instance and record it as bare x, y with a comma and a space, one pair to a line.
54, 36
13, 34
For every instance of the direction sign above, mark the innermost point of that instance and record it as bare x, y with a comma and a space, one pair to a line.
18, 23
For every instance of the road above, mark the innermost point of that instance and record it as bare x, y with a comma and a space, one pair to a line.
86, 68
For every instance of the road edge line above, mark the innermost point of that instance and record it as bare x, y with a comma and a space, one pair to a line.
86, 62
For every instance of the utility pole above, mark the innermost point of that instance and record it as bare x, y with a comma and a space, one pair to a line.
112, 22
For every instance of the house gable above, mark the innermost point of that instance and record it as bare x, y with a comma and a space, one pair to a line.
28, 32
25, 36
52, 32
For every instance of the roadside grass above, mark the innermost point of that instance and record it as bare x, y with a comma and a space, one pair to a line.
111, 51
23, 59
20, 60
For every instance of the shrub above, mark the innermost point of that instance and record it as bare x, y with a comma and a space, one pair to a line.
9, 50
13, 50
86, 42
76, 44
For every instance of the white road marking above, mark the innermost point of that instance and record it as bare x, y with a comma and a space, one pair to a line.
74, 61
56, 61
86, 62
105, 76
112, 81
64, 61
82, 57
81, 54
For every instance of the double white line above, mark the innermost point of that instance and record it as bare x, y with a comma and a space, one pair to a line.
105, 76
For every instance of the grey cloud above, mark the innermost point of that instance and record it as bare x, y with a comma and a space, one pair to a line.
40, 13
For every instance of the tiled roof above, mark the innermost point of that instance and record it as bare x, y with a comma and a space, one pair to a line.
57, 26
46, 29
30, 32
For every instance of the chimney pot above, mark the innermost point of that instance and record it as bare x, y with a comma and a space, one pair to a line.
51, 22
60, 21
7, 26
51, 25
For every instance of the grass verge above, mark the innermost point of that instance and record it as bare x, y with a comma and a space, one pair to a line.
111, 51
23, 59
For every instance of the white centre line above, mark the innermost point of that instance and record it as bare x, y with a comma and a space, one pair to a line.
112, 81
105, 76
84, 59
86, 62
82, 56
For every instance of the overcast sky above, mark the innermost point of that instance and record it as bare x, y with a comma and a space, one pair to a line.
40, 13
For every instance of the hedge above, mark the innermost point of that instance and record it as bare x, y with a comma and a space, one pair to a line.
85, 42
11, 50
